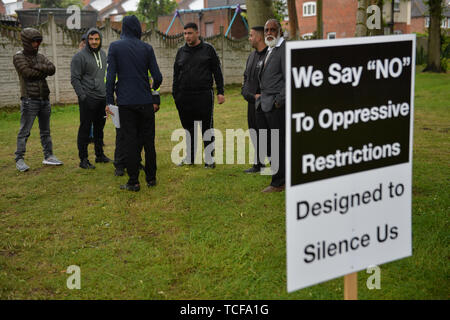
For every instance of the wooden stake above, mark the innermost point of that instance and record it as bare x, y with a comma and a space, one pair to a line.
351, 286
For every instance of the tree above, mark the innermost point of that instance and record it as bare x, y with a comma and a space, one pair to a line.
435, 8
259, 11
150, 10
293, 22
361, 18
319, 19
280, 9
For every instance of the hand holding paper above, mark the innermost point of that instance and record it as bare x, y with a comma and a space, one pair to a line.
114, 112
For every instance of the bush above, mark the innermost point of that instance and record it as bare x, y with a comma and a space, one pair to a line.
444, 64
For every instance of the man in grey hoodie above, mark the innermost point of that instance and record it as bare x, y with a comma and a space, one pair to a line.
88, 69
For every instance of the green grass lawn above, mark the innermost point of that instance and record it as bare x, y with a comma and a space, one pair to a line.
200, 234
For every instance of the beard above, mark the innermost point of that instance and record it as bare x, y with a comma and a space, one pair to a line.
271, 43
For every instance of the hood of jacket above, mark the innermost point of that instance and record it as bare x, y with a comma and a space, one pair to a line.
131, 28
27, 35
90, 31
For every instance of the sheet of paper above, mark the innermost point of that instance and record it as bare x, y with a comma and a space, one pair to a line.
115, 118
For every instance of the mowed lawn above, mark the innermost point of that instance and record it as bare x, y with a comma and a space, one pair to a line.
199, 234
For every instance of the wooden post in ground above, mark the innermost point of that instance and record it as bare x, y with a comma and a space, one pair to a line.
351, 286
55, 55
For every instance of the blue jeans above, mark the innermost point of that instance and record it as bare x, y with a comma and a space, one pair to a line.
29, 109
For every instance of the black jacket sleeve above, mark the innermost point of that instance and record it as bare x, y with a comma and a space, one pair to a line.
176, 74
249, 96
217, 72
154, 70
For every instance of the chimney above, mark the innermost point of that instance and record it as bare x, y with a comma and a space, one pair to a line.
205, 4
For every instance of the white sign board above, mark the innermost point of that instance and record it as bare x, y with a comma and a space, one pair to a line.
349, 133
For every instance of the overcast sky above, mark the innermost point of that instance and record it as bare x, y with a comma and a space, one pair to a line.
197, 4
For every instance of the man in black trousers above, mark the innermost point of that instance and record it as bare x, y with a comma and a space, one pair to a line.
195, 65
270, 106
120, 154
251, 90
130, 59
87, 70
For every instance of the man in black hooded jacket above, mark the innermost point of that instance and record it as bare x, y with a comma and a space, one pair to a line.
130, 59
88, 69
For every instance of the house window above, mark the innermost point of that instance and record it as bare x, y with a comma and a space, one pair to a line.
307, 36
443, 22
331, 35
209, 27
309, 9
396, 5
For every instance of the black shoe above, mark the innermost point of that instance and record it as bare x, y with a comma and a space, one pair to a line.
91, 140
254, 169
102, 159
131, 187
119, 172
151, 183
85, 164
210, 166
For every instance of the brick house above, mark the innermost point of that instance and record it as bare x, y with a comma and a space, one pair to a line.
11, 7
339, 17
420, 20
402, 16
112, 9
2, 8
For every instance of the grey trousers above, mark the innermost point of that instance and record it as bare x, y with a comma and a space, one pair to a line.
29, 110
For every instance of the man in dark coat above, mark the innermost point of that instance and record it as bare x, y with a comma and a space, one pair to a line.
195, 65
271, 104
130, 59
32, 68
251, 91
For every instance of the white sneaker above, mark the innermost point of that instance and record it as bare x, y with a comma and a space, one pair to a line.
52, 160
21, 165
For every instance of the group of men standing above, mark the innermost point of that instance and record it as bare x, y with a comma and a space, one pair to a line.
130, 77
